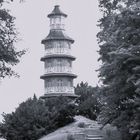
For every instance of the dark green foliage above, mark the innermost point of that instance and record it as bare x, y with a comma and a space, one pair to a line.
62, 111
88, 103
9, 56
35, 118
119, 41
27, 122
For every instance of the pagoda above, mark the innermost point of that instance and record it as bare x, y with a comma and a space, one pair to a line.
58, 76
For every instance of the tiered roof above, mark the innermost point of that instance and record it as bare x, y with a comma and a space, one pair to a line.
56, 11
57, 35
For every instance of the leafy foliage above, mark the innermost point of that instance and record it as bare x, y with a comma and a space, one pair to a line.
9, 56
35, 118
62, 111
120, 72
88, 103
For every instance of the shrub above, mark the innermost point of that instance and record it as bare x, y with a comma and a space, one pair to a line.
111, 133
81, 124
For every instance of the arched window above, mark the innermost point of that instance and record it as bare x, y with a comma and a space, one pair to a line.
49, 65
49, 83
59, 65
62, 47
69, 63
69, 66
60, 83
58, 47
69, 83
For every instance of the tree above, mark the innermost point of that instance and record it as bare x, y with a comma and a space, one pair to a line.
28, 121
62, 111
88, 101
35, 118
120, 71
9, 56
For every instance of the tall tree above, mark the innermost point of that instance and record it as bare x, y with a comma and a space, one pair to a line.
119, 41
88, 102
9, 56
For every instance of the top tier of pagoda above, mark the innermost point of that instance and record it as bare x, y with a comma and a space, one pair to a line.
57, 26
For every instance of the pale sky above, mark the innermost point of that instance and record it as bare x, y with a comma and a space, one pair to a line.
33, 25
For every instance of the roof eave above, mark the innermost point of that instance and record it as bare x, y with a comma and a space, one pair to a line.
60, 14
47, 40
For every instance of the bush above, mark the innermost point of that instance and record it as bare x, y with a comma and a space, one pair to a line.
81, 124
111, 133
35, 118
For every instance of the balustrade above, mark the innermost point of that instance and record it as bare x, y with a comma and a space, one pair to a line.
58, 70
57, 51
60, 89
57, 26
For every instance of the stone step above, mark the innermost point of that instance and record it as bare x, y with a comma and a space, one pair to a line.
93, 132
79, 136
94, 127
94, 137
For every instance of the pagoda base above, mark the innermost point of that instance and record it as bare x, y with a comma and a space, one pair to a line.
58, 95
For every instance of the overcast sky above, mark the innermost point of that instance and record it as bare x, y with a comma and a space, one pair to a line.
33, 25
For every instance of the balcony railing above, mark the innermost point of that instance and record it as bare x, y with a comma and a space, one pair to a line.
57, 26
58, 70
57, 51
61, 89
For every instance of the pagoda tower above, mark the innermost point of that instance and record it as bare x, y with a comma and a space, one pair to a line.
58, 76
